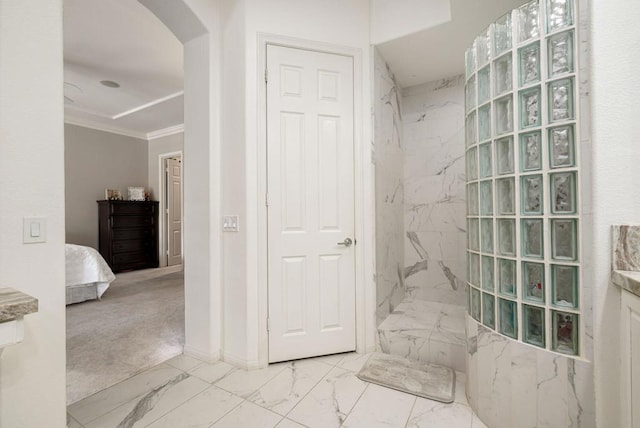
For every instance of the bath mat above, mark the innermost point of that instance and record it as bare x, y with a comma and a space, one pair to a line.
414, 377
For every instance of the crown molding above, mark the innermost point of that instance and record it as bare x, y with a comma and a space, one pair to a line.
147, 105
104, 128
165, 132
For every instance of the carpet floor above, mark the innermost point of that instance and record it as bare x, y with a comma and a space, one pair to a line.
138, 324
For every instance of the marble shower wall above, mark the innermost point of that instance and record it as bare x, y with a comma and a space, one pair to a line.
389, 174
434, 191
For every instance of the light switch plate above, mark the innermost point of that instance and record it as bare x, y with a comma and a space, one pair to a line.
34, 230
231, 223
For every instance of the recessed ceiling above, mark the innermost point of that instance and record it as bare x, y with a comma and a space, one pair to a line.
121, 41
438, 52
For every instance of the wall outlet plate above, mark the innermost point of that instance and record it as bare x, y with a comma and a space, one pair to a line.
231, 223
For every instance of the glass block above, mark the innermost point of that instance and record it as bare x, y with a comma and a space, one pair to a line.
565, 332
470, 129
559, 14
486, 198
508, 318
561, 100
564, 286
487, 274
506, 198
483, 47
507, 237
529, 60
504, 115
473, 234
470, 93
532, 238
533, 322
474, 269
563, 193
560, 53
484, 122
561, 147
564, 245
530, 107
504, 155
475, 304
503, 70
470, 59
507, 277
489, 310
486, 164
472, 164
472, 199
502, 34
484, 85
486, 235
533, 281
530, 151
529, 20
531, 189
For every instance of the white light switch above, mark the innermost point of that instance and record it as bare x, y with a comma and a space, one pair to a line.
34, 230
231, 223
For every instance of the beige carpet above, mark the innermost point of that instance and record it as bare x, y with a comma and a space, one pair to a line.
138, 323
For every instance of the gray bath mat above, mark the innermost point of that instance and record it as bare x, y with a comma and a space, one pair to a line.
415, 377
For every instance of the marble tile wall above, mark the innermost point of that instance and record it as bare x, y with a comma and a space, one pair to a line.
434, 191
389, 174
510, 384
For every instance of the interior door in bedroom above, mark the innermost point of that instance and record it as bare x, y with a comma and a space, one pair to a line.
174, 211
311, 208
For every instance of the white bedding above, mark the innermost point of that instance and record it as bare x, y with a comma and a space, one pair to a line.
85, 266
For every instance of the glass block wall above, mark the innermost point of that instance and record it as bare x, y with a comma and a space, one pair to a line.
523, 212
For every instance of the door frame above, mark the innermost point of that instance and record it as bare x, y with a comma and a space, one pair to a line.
363, 179
162, 226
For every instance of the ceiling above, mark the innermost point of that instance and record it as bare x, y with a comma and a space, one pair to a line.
438, 52
121, 41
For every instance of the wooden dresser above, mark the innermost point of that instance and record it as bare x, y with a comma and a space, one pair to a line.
128, 234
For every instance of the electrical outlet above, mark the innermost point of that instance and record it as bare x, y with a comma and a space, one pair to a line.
231, 223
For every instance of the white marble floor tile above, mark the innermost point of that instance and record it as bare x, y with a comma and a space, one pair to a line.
461, 392
288, 423
433, 414
145, 409
200, 411
353, 362
212, 372
477, 423
72, 423
289, 386
103, 402
248, 415
381, 407
330, 401
245, 382
184, 362
333, 359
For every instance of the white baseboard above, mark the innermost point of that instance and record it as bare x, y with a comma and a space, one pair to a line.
242, 363
202, 356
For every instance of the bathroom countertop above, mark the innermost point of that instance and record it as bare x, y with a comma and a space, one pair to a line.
627, 280
15, 304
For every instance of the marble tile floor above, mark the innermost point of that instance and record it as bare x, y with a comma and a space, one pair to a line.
426, 331
317, 392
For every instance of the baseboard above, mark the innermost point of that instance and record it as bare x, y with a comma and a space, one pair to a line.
241, 363
202, 356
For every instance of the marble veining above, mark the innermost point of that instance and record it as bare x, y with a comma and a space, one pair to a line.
626, 247
627, 280
15, 304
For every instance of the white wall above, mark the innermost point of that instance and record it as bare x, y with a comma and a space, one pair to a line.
615, 62
96, 160
392, 19
32, 374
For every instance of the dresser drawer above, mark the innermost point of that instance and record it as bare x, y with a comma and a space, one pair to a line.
122, 221
132, 208
132, 258
129, 245
144, 233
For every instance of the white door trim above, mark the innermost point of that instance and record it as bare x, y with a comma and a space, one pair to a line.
364, 233
162, 236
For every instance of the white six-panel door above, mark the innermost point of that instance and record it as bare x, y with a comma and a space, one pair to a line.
310, 146
174, 211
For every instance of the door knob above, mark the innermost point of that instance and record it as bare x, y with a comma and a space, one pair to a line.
347, 242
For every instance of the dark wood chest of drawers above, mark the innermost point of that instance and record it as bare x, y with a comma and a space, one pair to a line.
128, 234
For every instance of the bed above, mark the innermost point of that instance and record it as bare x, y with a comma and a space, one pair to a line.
88, 275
